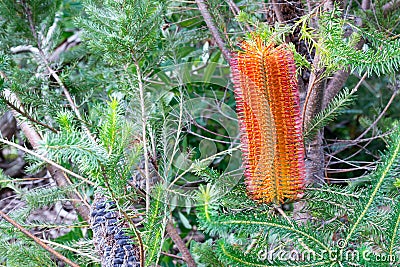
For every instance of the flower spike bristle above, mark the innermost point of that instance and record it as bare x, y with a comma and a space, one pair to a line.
267, 101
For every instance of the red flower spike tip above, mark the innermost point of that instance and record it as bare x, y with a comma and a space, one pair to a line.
267, 100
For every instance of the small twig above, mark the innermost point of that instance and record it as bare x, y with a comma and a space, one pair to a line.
281, 212
173, 233
46, 62
46, 160
228, 151
67, 95
29, 16
72, 41
371, 126
37, 240
172, 255
213, 29
235, 10
29, 117
24, 49
233, 7
358, 141
379, 117
144, 132
77, 251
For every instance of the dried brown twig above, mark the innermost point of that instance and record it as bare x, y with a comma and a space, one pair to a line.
213, 29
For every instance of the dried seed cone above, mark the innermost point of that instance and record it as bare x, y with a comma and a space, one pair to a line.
267, 100
138, 179
109, 239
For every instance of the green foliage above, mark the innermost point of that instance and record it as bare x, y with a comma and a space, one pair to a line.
336, 107
42, 197
18, 27
74, 147
356, 217
25, 254
380, 55
206, 254
154, 226
110, 128
122, 32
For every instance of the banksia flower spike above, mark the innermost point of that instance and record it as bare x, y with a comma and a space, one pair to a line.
267, 101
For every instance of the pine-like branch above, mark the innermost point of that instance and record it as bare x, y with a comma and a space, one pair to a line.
59, 176
335, 108
37, 240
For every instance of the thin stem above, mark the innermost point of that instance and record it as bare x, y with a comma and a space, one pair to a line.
144, 131
77, 251
37, 240
277, 10
178, 134
394, 235
202, 161
281, 212
29, 117
372, 124
213, 29
235, 10
44, 59
46, 160
67, 95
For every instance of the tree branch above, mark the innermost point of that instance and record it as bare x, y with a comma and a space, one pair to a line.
37, 240
235, 11
173, 233
144, 132
29, 117
58, 175
213, 29
336, 83
390, 6
277, 10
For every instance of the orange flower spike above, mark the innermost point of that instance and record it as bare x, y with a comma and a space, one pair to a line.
267, 101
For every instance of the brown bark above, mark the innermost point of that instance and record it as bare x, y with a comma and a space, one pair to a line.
173, 233
312, 106
337, 82
390, 6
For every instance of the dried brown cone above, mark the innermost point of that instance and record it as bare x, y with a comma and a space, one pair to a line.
113, 245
